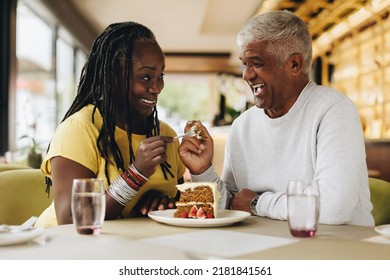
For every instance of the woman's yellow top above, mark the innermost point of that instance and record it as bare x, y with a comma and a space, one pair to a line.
76, 139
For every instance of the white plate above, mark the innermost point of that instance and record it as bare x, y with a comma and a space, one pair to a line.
384, 230
7, 238
225, 217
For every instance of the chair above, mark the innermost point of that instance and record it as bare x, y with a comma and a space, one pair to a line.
7, 167
380, 198
22, 195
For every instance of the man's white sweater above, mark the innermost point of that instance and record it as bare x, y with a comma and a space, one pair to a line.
319, 138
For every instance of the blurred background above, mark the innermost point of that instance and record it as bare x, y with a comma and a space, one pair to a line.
44, 44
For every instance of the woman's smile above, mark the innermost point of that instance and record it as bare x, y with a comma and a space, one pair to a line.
150, 102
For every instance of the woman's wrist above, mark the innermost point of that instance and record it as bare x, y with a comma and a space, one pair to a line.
121, 191
137, 173
126, 186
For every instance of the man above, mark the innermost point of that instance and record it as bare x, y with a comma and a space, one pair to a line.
296, 130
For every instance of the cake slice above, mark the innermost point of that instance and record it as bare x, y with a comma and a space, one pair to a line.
197, 200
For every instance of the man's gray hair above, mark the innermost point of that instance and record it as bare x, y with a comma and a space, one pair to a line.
284, 32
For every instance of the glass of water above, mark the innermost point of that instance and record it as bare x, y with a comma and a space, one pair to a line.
303, 207
88, 205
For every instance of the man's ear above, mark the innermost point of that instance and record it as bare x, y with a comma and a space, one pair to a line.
296, 63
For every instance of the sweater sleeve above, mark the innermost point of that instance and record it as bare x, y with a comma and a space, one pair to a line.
340, 166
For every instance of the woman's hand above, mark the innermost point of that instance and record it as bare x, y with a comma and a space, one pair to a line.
151, 153
151, 201
194, 153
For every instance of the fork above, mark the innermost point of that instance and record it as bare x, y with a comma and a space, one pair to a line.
189, 133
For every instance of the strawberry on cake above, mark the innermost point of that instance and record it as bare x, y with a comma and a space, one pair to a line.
197, 200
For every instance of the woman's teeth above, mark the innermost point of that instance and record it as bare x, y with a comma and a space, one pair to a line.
148, 101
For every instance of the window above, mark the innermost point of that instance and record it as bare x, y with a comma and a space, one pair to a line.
186, 97
35, 91
48, 69
65, 77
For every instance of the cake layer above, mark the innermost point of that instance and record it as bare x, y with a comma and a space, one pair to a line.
185, 210
197, 200
197, 194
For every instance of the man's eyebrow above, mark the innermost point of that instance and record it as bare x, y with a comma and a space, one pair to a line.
253, 57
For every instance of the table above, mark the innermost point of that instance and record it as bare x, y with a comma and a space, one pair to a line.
143, 238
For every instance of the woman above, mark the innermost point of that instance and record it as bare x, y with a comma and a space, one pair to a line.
112, 130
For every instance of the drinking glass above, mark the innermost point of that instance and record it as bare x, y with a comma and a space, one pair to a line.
88, 205
303, 207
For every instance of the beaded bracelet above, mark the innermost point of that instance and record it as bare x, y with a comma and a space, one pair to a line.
131, 182
137, 173
134, 178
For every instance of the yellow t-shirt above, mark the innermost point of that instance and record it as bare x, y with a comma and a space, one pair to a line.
75, 139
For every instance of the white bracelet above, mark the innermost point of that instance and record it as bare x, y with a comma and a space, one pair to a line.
132, 167
120, 191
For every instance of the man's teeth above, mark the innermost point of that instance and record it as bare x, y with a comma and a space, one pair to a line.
259, 87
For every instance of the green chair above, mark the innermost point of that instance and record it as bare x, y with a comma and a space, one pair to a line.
22, 195
7, 167
380, 198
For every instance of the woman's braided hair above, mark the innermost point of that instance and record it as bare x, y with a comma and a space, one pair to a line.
111, 55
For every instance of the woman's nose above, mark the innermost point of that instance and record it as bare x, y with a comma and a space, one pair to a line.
155, 88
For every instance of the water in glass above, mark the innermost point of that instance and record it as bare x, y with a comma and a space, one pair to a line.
303, 208
88, 205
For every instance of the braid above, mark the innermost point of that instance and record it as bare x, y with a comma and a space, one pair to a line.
111, 54
153, 125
